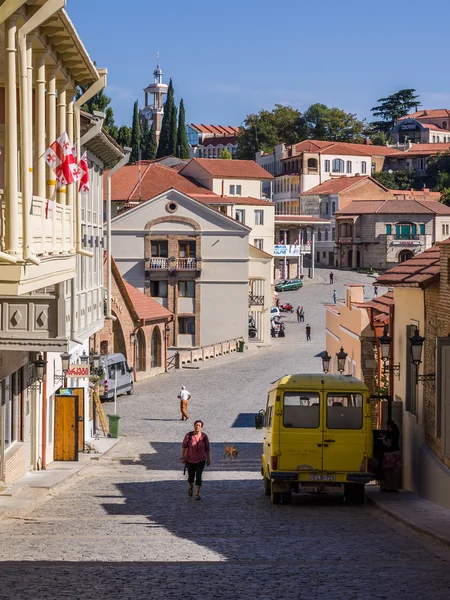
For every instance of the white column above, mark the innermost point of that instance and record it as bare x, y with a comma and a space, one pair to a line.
61, 128
40, 145
313, 237
299, 251
11, 145
70, 190
285, 275
30, 108
51, 137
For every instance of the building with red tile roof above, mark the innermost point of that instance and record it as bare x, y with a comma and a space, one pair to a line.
229, 169
423, 126
209, 141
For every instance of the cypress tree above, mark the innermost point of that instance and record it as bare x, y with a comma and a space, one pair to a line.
124, 136
164, 138
182, 140
135, 133
149, 145
173, 132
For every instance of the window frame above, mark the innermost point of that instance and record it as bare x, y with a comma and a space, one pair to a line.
158, 282
189, 288
347, 396
159, 244
314, 395
259, 217
363, 167
186, 321
337, 165
240, 211
188, 245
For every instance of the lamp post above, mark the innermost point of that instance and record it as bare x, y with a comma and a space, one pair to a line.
40, 370
416, 343
84, 358
326, 359
167, 332
341, 359
385, 342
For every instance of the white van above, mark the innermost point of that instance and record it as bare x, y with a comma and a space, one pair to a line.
115, 366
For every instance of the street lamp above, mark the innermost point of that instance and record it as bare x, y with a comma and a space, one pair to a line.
326, 359
65, 362
341, 359
416, 342
96, 360
40, 370
84, 358
385, 345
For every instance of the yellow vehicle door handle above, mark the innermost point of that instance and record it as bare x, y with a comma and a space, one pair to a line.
329, 440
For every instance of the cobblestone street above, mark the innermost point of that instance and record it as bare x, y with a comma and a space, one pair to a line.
124, 528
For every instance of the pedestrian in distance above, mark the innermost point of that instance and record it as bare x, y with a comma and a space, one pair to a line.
308, 332
302, 314
184, 397
375, 290
277, 302
195, 454
334, 296
298, 313
331, 278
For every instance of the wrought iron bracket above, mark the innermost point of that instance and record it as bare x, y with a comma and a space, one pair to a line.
394, 369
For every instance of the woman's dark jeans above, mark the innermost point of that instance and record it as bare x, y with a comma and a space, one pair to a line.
195, 471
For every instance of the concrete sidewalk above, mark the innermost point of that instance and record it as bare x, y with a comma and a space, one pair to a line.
414, 512
28, 489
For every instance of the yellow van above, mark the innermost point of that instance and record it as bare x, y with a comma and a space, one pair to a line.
317, 437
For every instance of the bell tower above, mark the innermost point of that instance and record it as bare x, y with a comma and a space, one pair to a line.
155, 112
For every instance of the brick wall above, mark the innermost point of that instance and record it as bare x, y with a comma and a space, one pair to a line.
367, 190
437, 324
15, 463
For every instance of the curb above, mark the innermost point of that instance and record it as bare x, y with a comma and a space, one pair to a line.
398, 517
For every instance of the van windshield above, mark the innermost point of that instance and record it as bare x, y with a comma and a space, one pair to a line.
301, 409
116, 367
344, 411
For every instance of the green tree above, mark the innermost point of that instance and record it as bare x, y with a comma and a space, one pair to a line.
164, 148
173, 132
100, 102
135, 133
266, 129
386, 178
438, 173
332, 124
182, 140
149, 144
380, 138
396, 180
226, 154
391, 108
124, 136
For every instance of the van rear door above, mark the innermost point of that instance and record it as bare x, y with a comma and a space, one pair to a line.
344, 437
301, 432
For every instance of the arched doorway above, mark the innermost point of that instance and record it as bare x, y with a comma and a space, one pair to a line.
156, 348
119, 338
140, 350
405, 255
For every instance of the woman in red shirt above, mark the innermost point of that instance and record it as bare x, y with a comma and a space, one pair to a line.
195, 454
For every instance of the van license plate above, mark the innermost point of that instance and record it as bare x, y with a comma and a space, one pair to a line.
322, 478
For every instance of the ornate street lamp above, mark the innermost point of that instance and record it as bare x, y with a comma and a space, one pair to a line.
65, 361
416, 342
326, 359
40, 368
385, 345
341, 360
96, 360
84, 358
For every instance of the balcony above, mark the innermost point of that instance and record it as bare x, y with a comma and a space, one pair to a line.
406, 237
50, 243
172, 264
255, 300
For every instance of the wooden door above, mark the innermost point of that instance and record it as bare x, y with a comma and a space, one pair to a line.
66, 427
79, 392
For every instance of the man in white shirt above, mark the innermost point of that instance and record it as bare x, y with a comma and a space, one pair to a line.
184, 397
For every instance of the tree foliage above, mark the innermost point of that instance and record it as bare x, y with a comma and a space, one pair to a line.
135, 133
438, 172
332, 124
226, 154
391, 108
396, 180
124, 136
182, 140
173, 132
148, 144
164, 148
380, 138
100, 102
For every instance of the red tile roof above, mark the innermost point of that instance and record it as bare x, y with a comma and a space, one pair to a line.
347, 148
299, 219
394, 207
146, 308
422, 150
238, 169
216, 129
216, 141
436, 113
419, 271
231, 200
339, 184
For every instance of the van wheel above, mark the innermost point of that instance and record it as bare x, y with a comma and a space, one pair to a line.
354, 493
275, 497
131, 391
286, 497
266, 486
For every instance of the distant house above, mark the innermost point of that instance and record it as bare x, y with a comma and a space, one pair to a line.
423, 127
209, 141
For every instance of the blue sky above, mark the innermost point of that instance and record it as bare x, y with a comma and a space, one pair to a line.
231, 58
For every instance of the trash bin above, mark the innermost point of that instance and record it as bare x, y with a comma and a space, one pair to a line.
241, 346
113, 425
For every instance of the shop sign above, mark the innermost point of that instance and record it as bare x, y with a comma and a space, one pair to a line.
78, 371
406, 243
288, 250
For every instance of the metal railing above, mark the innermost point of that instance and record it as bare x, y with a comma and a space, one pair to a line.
173, 264
255, 300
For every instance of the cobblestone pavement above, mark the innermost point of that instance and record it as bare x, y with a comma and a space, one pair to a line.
124, 528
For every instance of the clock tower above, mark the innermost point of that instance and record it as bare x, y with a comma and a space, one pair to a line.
155, 113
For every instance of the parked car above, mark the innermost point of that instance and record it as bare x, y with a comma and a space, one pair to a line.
286, 285
115, 367
274, 312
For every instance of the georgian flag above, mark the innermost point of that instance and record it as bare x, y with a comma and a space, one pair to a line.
84, 170
59, 157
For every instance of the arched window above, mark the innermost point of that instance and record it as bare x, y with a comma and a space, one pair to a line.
312, 164
104, 347
349, 166
338, 165
405, 255
444, 124
345, 230
140, 350
156, 356
327, 166
363, 167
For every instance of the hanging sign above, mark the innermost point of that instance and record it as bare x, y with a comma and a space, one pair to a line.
78, 371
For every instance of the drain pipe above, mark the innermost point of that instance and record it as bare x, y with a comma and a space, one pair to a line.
122, 162
43, 14
95, 88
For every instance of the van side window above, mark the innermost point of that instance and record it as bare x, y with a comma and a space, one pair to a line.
344, 411
301, 409
269, 413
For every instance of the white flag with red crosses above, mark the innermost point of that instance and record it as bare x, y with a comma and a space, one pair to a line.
59, 157
84, 179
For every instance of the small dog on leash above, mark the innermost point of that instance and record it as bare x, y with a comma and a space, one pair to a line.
230, 451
